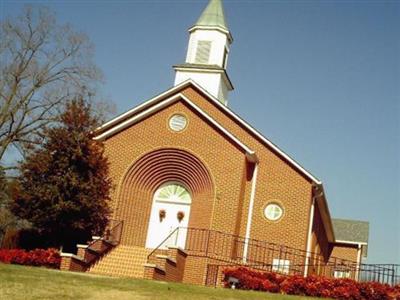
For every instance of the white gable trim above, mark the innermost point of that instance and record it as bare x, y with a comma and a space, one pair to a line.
140, 106
350, 242
224, 108
250, 154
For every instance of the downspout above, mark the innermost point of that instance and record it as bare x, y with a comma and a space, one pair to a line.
309, 235
357, 275
250, 213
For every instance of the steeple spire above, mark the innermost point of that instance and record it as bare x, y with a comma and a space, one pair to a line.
213, 15
207, 54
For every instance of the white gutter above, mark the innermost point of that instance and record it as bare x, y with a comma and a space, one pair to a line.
357, 275
350, 242
309, 235
250, 213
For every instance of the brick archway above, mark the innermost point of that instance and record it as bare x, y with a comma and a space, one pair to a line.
146, 175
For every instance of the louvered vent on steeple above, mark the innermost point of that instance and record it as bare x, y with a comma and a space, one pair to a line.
203, 52
207, 53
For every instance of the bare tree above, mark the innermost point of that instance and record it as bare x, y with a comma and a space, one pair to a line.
42, 65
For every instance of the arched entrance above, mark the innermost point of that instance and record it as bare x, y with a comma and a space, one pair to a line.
170, 209
152, 177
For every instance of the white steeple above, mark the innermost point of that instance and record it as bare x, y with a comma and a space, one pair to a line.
207, 54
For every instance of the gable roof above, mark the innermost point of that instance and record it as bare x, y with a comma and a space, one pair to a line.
250, 154
351, 231
124, 116
123, 120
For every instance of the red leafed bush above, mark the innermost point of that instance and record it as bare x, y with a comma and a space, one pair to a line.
346, 289
319, 287
49, 258
274, 277
315, 286
395, 293
375, 291
252, 280
294, 285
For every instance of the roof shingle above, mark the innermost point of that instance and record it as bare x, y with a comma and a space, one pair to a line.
351, 230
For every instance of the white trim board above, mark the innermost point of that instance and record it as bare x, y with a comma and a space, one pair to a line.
350, 242
250, 154
222, 107
250, 213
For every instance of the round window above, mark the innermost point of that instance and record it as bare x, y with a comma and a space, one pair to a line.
273, 211
177, 122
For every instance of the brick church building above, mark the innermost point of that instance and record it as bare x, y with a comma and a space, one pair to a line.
198, 188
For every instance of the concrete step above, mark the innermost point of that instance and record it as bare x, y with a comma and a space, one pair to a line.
167, 266
122, 261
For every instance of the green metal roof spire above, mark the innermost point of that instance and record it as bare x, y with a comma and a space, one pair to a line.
213, 15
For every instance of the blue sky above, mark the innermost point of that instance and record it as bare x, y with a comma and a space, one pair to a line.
321, 79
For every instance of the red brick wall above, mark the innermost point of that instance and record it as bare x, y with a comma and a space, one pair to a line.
344, 251
216, 199
277, 181
222, 204
72, 264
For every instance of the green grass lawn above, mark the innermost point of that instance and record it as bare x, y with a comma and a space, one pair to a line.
19, 282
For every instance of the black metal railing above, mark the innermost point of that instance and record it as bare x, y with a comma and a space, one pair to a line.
113, 231
385, 273
112, 236
164, 243
232, 249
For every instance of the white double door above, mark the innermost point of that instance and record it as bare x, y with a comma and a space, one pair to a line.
170, 209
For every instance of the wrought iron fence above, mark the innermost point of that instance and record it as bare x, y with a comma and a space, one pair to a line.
384, 273
387, 273
169, 238
113, 231
232, 249
112, 235
263, 254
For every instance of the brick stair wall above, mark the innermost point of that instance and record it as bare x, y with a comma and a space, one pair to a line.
168, 265
87, 255
122, 261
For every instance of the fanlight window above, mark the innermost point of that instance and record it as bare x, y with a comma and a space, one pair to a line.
172, 192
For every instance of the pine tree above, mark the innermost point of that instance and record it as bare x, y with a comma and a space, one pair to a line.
64, 186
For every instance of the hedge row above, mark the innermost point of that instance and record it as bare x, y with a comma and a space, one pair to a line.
49, 258
315, 286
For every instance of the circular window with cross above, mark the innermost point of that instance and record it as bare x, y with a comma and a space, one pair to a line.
273, 211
